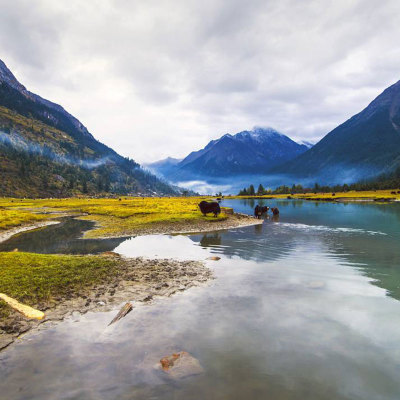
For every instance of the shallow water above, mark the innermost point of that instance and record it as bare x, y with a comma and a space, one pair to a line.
301, 308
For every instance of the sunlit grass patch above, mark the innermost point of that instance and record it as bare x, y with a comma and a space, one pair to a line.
37, 278
10, 218
121, 215
353, 194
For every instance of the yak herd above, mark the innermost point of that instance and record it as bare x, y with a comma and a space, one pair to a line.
208, 207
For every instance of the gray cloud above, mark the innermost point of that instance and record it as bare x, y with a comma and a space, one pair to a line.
160, 78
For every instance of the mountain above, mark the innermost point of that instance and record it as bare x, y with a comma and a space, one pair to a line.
306, 143
247, 152
163, 167
366, 145
45, 151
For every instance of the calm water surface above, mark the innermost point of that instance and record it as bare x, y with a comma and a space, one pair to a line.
306, 307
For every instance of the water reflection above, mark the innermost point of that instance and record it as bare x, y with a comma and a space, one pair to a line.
61, 238
366, 235
292, 315
211, 239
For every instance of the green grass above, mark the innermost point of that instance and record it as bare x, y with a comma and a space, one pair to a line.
4, 310
35, 279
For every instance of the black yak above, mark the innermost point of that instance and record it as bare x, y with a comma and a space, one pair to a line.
275, 210
210, 207
259, 210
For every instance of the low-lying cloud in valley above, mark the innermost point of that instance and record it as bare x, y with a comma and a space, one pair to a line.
162, 78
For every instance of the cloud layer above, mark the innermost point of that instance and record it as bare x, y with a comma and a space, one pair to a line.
159, 78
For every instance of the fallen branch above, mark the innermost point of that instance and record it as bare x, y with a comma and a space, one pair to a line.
122, 312
29, 312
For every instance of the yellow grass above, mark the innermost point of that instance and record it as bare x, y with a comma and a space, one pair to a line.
351, 195
113, 216
10, 218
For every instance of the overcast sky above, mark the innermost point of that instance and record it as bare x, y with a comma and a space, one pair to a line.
161, 78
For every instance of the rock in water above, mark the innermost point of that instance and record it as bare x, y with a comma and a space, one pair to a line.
122, 312
181, 365
214, 258
316, 284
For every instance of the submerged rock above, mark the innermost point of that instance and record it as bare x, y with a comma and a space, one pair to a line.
5, 340
316, 284
181, 365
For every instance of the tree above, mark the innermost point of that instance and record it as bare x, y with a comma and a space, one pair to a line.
99, 184
107, 185
252, 192
260, 190
84, 186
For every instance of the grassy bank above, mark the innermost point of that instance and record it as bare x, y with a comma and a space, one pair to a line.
121, 216
38, 279
35, 278
10, 218
375, 195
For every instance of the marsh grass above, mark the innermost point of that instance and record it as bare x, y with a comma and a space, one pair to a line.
350, 195
113, 216
10, 218
36, 279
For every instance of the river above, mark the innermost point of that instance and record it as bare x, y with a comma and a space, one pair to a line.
303, 307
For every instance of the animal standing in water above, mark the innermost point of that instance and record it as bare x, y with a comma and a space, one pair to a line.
210, 207
259, 211
275, 210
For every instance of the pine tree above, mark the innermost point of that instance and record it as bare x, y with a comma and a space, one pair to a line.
84, 186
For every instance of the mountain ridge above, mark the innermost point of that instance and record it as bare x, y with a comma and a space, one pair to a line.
364, 146
245, 152
48, 152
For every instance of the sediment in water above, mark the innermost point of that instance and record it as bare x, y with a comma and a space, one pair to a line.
138, 280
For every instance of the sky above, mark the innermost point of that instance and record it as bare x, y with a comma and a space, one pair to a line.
160, 78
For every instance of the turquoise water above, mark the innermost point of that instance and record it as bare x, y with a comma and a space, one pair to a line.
304, 307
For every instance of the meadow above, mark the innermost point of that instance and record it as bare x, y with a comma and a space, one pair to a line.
113, 217
352, 195
37, 279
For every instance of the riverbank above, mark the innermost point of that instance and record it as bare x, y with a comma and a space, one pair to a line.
350, 196
60, 285
234, 220
124, 216
7, 234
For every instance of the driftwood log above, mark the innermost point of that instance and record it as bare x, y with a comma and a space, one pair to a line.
126, 309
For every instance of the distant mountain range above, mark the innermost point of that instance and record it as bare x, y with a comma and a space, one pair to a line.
45, 151
366, 145
245, 153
